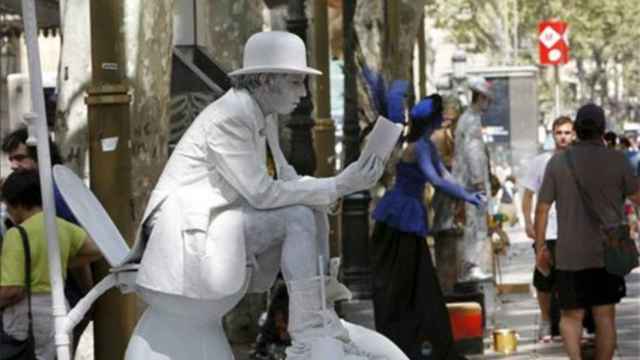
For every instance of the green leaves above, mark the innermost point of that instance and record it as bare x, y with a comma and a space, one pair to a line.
603, 39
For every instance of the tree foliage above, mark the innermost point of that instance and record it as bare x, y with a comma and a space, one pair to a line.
392, 57
602, 39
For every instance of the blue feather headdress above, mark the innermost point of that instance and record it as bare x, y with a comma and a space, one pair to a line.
388, 102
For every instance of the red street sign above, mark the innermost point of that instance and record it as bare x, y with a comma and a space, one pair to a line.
553, 42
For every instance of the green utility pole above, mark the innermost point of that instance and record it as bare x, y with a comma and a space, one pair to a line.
324, 138
392, 40
108, 102
422, 60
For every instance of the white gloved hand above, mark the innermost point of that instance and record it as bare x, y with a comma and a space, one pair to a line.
359, 175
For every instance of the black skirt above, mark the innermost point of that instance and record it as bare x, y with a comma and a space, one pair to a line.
408, 303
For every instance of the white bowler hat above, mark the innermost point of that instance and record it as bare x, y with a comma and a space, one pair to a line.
481, 85
275, 52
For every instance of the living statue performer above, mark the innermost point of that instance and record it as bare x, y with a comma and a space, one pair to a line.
471, 169
447, 228
218, 225
408, 303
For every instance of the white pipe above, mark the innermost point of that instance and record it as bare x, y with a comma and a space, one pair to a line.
323, 292
556, 75
46, 182
83, 306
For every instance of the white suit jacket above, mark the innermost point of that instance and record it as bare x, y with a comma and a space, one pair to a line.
219, 165
470, 162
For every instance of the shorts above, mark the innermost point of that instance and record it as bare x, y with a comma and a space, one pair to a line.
589, 287
541, 282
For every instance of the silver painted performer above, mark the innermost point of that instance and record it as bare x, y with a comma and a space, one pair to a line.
471, 169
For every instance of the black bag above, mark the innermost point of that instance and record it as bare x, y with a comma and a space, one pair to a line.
11, 348
620, 251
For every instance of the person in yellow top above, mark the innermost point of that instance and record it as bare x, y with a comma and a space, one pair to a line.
21, 193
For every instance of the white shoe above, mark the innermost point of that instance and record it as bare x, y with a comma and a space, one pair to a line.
336, 291
544, 332
587, 339
315, 327
475, 274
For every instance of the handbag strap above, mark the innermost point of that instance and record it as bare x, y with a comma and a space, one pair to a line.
586, 198
27, 272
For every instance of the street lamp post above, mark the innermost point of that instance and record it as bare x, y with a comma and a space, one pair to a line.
458, 73
355, 207
302, 155
443, 86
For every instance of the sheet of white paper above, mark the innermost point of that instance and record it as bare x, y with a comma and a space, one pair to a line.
382, 139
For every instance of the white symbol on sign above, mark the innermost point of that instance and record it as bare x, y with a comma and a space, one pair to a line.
549, 37
555, 54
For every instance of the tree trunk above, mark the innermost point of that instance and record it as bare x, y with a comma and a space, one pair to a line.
74, 76
582, 79
150, 76
371, 28
227, 26
8, 49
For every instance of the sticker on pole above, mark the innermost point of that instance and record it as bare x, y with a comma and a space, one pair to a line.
553, 42
109, 144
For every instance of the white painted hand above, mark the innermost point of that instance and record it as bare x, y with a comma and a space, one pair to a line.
360, 175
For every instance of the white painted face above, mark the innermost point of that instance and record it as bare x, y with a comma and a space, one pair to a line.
285, 93
484, 103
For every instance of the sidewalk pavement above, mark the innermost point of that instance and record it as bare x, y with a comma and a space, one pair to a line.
519, 311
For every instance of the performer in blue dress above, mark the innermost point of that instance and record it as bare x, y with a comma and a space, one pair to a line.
408, 302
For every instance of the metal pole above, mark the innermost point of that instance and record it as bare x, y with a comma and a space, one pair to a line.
108, 111
46, 182
302, 156
351, 128
324, 131
61, 7
556, 76
422, 59
392, 40
355, 207
516, 40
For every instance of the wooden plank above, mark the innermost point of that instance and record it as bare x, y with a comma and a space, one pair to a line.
513, 288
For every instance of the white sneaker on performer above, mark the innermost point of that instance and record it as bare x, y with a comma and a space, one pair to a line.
474, 273
314, 325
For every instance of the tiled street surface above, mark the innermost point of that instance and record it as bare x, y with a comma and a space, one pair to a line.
520, 311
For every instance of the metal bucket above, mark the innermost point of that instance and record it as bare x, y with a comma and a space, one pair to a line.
505, 341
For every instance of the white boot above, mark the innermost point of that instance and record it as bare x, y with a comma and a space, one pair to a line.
310, 326
473, 273
336, 291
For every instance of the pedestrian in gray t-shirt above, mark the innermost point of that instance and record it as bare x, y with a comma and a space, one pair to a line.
581, 278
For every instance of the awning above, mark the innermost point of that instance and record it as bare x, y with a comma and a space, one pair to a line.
47, 11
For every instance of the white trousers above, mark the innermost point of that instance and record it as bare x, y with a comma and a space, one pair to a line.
213, 256
290, 237
475, 245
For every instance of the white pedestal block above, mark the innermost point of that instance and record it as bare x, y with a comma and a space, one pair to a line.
180, 328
